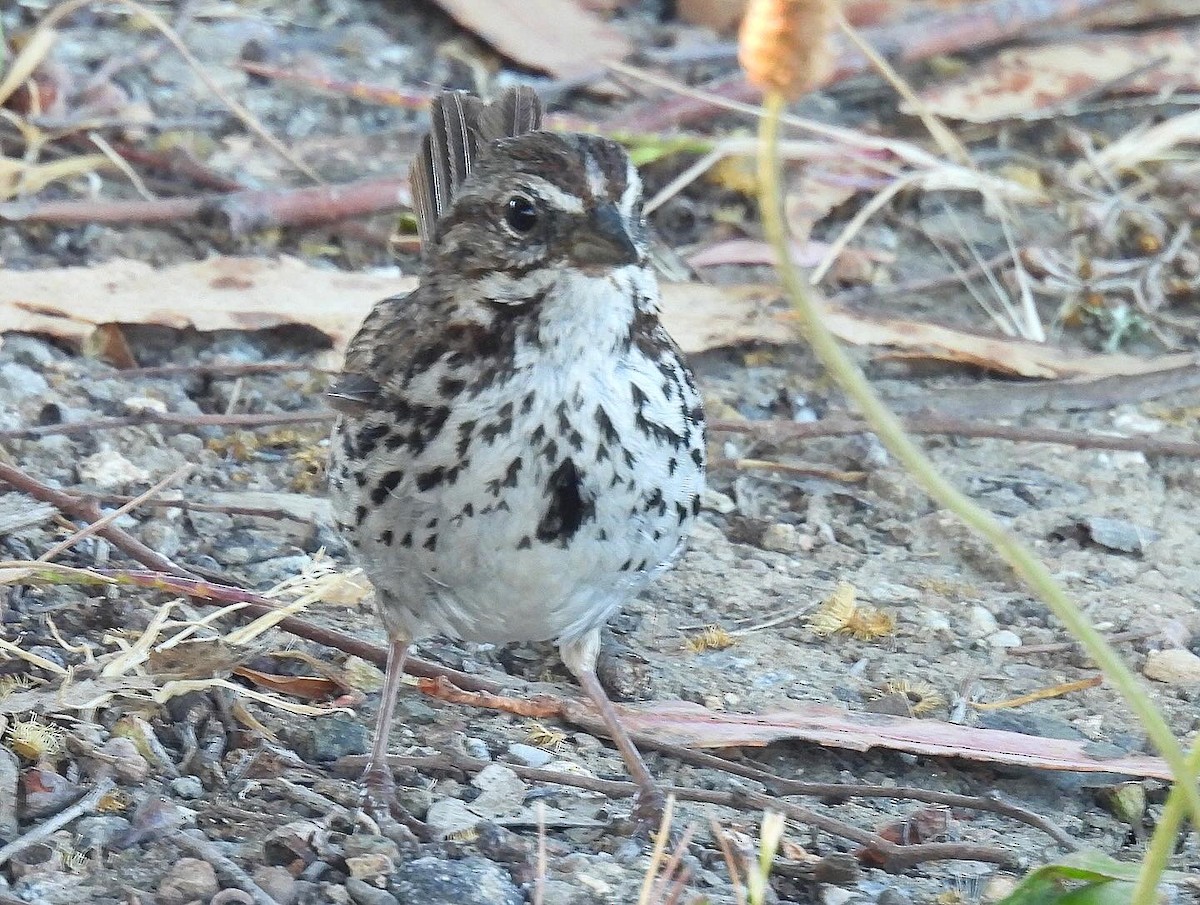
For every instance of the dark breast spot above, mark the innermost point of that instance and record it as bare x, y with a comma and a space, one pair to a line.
427, 480
568, 506
386, 485
368, 437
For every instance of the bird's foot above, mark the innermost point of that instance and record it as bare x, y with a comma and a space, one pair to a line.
378, 803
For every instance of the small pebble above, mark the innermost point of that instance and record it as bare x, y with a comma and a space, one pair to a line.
1004, 639
982, 622
126, 763
187, 787
363, 893
369, 867
477, 747
781, 538
530, 755
187, 880
715, 501
329, 738
470, 881
109, 470
99, 831
1173, 666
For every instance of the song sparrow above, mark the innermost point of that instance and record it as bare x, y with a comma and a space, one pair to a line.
521, 449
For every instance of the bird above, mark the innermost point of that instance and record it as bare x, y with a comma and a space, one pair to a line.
520, 446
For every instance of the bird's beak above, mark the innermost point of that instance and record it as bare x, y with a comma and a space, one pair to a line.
603, 240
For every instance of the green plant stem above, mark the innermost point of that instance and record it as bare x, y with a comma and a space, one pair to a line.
891, 433
1162, 843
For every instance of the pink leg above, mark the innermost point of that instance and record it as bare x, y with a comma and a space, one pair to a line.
580, 658
377, 781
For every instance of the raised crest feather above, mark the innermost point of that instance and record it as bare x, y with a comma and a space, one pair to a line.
461, 127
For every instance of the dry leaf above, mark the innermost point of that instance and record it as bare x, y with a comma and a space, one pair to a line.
693, 726
309, 688
1032, 79
554, 36
255, 294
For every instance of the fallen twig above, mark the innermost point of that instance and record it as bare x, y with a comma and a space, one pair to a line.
173, 578
259, 419
891, 857
837, 426
930, 425
240, 212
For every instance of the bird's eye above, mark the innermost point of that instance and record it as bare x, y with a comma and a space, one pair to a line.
520, 214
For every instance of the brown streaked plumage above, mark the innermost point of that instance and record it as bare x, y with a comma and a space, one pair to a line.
521, 448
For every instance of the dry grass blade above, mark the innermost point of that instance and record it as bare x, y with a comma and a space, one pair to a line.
946, 140
40, 662
1142, 145
656, 856
25, 62
97, 526
18, 177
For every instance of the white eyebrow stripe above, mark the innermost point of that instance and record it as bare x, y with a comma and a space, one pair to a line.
555, 196
633, 191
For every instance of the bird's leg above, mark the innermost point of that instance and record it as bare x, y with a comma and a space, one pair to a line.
377, 782
580, 658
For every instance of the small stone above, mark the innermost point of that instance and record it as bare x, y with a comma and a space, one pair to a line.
187, 880
361, 845
982, 622
935, 621
162, 537
363, 893
187, 787
530, 755
471, 881
835, 895
109, 470
477, 747
1173, 666
558, 892
1120, 534
1003, 639
369, 867
715, 501
20, 382
126, 762
331, 737
99, 831
276, 882
139, 405
781, 538
448, 816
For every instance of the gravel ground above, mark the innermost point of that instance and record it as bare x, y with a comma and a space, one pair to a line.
221, 802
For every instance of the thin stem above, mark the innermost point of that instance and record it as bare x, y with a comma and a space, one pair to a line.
890, 431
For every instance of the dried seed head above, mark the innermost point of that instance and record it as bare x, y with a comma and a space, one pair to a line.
712, 637
36, 741
545, 737
922, 697
784, 44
